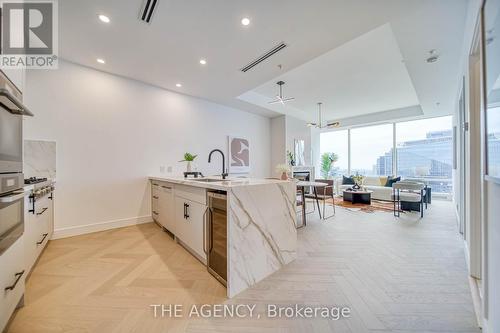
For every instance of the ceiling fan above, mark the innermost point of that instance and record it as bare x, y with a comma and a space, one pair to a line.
319, 124
279, 97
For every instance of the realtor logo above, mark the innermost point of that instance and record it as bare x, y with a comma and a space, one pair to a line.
28, 34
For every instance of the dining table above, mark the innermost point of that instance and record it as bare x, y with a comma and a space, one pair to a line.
302, 184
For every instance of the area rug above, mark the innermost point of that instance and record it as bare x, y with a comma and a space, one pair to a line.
377, 205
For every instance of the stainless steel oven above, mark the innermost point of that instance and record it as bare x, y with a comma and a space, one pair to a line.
11, 218
11, 163
11, 126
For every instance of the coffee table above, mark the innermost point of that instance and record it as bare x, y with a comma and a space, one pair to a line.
359, 196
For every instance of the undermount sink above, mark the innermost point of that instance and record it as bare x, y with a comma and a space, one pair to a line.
209, 180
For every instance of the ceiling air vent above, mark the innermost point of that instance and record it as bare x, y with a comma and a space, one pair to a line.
148, 9
257, 61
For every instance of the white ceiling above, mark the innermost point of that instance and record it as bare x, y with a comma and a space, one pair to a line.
376, 34
364, 75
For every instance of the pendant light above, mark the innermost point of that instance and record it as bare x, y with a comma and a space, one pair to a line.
319, 124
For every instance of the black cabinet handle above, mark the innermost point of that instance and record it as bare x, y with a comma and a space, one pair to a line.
32, 202
186, 213
18, 277
43, 211
155, 197
40, 242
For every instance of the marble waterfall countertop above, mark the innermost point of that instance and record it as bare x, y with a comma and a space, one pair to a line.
261, 230
217, 183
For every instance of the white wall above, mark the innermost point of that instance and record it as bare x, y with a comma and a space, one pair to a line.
490, 215
284, 130
297, 129
278, 143
492, 260
112, 133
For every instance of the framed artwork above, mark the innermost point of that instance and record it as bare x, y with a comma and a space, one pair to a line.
491, 47
239, 155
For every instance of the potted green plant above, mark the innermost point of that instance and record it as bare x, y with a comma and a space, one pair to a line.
188, 157
358, 179
291, 158
327, 161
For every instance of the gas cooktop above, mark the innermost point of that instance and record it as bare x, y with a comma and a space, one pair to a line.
34, 180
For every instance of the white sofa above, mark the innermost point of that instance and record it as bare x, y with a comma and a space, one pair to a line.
375, 184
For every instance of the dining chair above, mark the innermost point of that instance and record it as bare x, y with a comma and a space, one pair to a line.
324, 193
300, 212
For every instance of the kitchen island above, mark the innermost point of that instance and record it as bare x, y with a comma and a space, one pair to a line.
261, 222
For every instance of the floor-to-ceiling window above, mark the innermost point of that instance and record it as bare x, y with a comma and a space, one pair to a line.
425, 151
371, 150
337, 143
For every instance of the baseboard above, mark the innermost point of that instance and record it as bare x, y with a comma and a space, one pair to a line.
476, 300
101, 226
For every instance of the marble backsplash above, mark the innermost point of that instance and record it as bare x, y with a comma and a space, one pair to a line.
39, 159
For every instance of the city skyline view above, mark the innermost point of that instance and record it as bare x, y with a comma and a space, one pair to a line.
424, 151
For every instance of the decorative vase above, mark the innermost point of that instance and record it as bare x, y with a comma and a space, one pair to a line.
356, 186
292, 162
188, 167
284, 176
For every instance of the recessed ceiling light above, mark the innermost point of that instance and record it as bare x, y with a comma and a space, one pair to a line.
245, 21
101, 61
178, 85
104, 18
203, 61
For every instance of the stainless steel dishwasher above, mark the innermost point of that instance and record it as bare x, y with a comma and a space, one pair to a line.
215, 235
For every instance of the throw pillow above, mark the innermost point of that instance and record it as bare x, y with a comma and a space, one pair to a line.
391, 180
383, 181
347, 180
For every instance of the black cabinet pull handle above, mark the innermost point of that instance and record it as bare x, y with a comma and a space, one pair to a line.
32, 202
40, 242
155, 197
18, 277
187, 212
43, 211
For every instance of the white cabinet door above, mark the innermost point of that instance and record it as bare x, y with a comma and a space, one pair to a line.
43, 213
31, 236
166, 207
190, 217
12, 275
38, 229
155, 196
50, 216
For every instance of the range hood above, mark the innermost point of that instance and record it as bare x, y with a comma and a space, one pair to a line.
12, 104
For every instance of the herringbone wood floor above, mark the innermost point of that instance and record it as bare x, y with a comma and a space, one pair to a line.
397, 275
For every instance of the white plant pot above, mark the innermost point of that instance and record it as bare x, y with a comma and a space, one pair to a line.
188, 166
